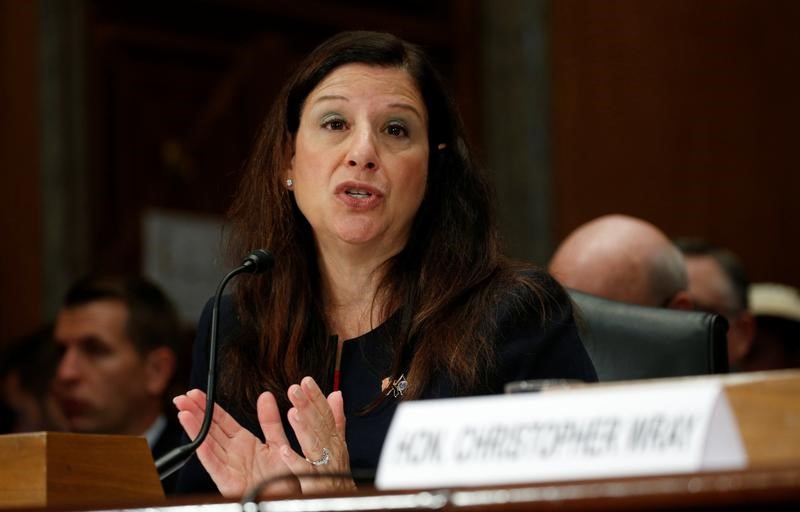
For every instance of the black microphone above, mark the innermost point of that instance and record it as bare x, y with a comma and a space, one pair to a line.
256, 262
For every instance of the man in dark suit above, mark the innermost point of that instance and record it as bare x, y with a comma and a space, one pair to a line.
118, 340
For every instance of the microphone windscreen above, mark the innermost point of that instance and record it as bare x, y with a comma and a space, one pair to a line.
258, 261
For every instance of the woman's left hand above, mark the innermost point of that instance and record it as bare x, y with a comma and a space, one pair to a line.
319, 424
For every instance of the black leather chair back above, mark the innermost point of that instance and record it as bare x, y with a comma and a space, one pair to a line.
635, 342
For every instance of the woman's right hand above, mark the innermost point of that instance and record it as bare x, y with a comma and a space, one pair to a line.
236, 459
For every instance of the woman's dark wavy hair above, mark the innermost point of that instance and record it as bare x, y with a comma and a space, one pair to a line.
444, 281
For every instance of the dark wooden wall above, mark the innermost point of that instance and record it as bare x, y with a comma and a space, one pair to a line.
20, 196
685, 113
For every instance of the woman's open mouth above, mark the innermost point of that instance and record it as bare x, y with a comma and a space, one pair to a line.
359, 195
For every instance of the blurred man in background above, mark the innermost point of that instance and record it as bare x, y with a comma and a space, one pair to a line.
776, 308
118, 340
26, 374
624, 259
718, 284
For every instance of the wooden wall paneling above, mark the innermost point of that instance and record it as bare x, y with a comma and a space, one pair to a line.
162, 139
682, 113
20, 181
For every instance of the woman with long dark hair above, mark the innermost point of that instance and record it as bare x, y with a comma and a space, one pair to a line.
389, 281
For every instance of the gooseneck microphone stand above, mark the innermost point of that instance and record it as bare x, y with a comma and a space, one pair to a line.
256, 262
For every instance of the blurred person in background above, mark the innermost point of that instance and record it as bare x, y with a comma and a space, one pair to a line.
118, 340
27, 366
625, 259
776, 308
719, 284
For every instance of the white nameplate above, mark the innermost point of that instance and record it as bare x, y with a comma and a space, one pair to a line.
590, 432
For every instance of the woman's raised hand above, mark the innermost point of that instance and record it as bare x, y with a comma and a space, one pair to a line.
236, 459
319, 424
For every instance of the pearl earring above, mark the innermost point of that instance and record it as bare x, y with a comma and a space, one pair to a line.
289, 182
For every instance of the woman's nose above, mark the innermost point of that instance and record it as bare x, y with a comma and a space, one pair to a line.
362, 153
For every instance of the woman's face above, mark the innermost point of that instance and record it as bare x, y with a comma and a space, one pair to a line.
360, 160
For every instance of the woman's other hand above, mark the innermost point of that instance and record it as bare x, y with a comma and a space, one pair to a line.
235, 459
319, 424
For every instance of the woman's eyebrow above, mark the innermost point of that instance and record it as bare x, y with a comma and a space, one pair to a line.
330, 97
407, 106
404, 106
